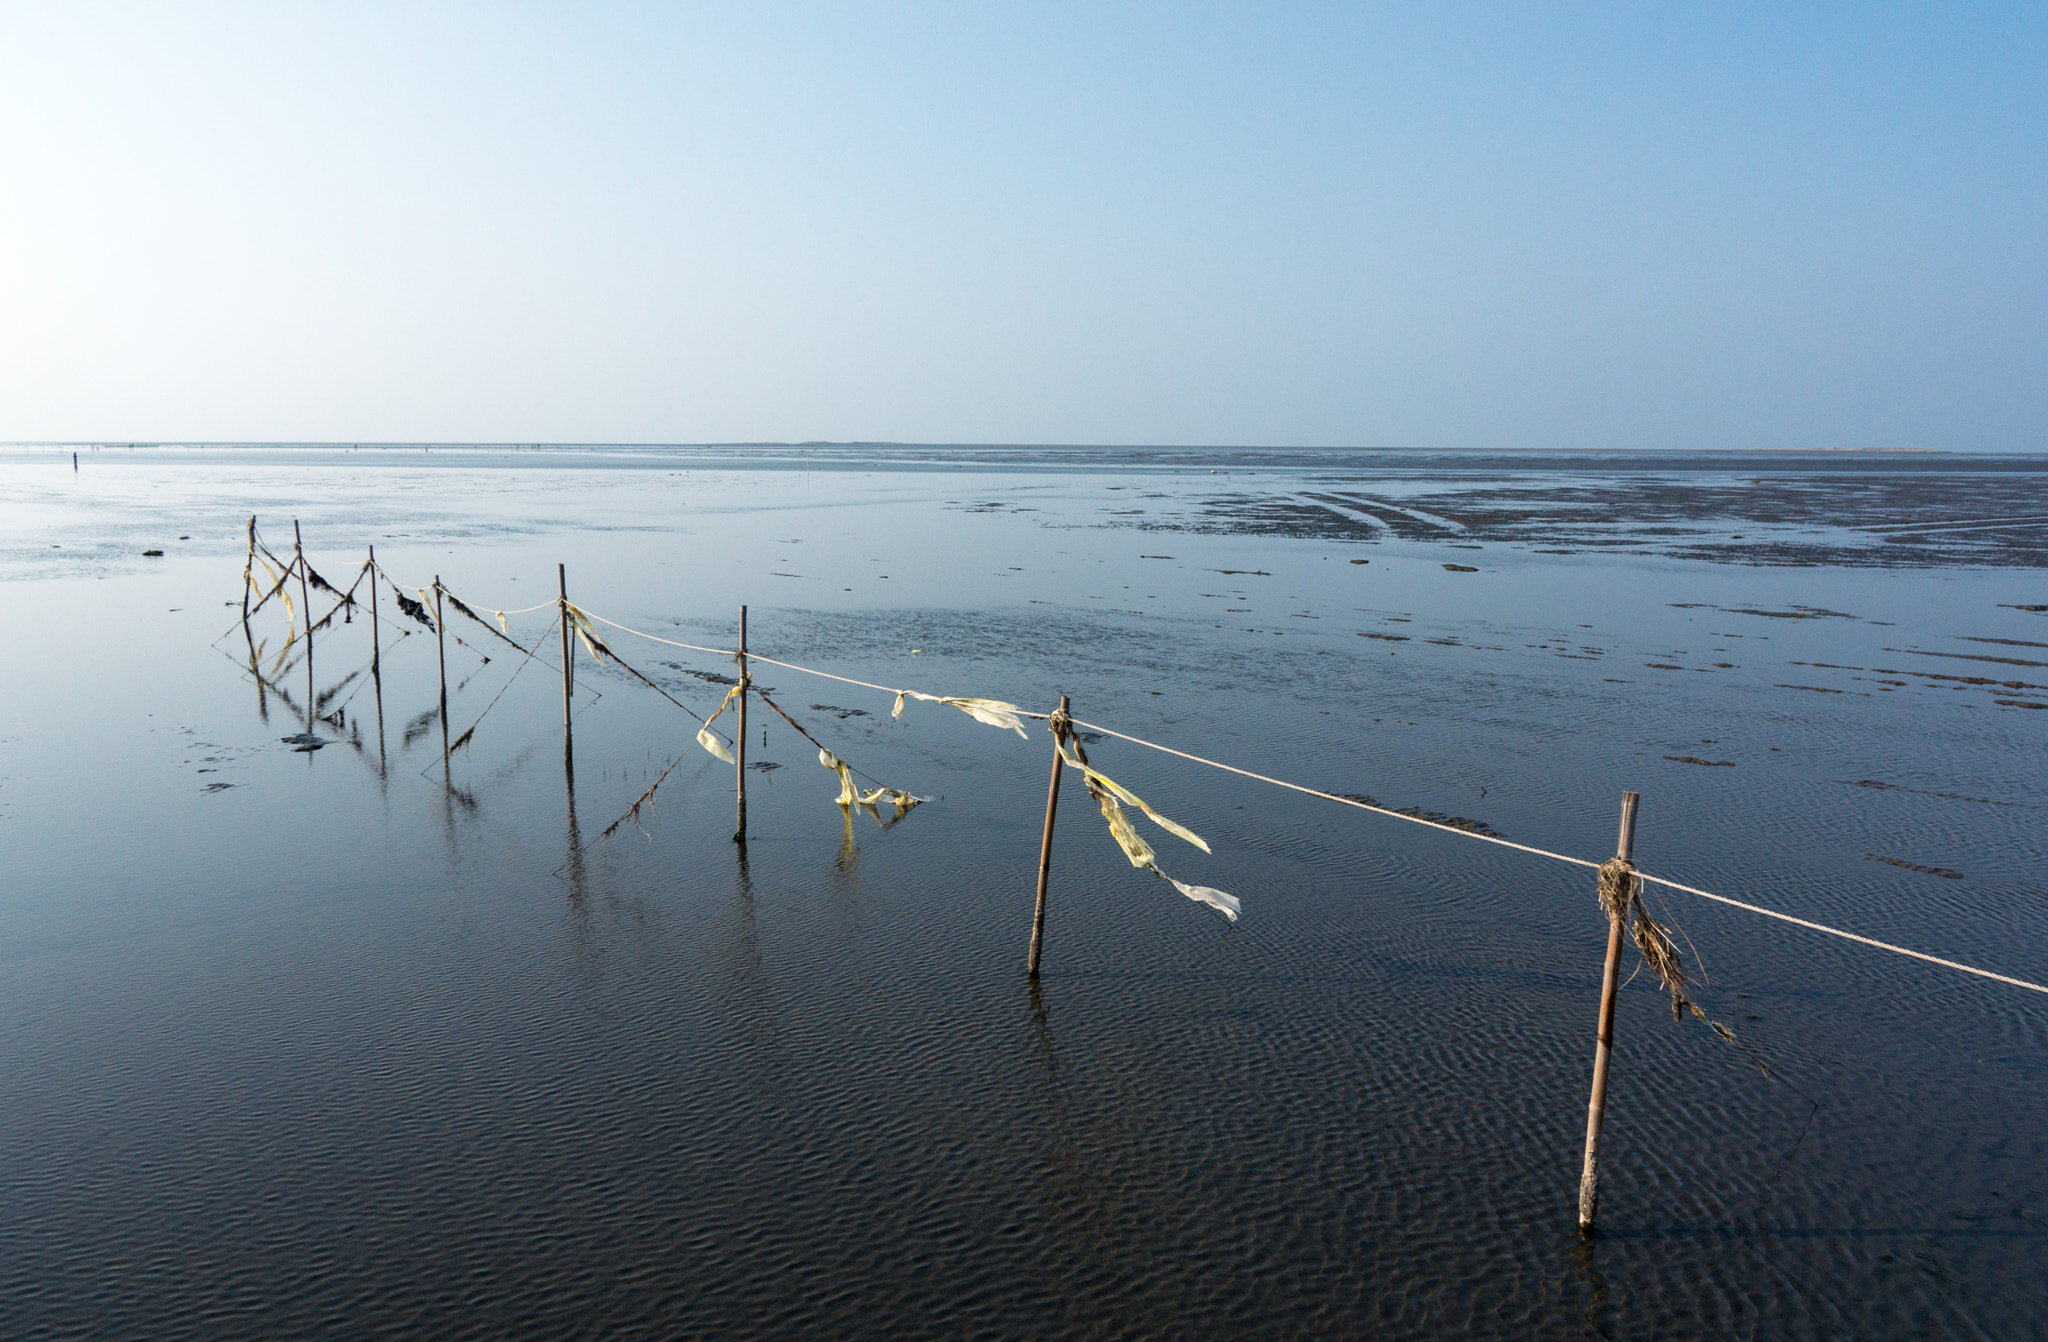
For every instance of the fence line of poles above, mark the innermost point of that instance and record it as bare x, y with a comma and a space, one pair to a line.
1619, 881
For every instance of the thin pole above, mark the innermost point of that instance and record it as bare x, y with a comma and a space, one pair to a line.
376, 639
1596, 1109
568, 648
305, 599
248, 566
441, 651
248, 581
376, 660
739, 834
1052, 803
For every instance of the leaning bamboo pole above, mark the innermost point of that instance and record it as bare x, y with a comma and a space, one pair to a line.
1052, 803
1596, 1108
739, 834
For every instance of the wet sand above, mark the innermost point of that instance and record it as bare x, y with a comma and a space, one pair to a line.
309, 1042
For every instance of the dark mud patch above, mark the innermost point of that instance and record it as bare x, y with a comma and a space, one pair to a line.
1967, 657
1433, 817
1385, 638
1918, 792
1460, 568
1944, 872
1816, 689
1694, 759
711, 676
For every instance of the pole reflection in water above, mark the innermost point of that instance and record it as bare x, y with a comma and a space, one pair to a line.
573, 868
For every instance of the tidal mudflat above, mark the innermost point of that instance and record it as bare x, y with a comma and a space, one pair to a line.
326, 1042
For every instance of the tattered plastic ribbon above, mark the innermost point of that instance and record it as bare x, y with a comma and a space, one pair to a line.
994, 712
1099, 782
1107, 792
704, 736
587, 632
849, 795
1225, 904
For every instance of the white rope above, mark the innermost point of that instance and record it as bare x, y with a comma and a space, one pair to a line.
870, 685
1850, 936
769, 661
1331, 796
1576, 861
1293, 787
691, 647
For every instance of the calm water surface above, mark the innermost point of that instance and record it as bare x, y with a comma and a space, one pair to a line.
334, 1044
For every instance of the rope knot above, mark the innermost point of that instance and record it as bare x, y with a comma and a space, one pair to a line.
1621, 895
1619, 886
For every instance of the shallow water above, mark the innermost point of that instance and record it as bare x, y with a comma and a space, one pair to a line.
326, 1044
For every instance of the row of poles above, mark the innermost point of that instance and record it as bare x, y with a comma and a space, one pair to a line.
1596, 1109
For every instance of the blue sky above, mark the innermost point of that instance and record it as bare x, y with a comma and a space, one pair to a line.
1626, 226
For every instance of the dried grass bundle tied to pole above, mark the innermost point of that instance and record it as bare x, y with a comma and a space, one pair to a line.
1621, 894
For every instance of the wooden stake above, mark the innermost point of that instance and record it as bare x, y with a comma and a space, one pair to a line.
568, 645
376, 661
376, 639
1596, 1109
441, 651
248, 567
306, 600
1052, 803
739, 834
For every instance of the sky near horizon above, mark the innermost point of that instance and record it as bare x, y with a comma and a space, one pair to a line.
1576, 225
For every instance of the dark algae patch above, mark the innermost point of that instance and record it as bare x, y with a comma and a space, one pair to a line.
1894, 787
1433, 817
1915, 866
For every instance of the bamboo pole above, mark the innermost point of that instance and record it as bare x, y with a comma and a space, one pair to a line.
248, 581
376, 638
306, 599
376, 661
568, 646
1052, 803
1596, 1108
248, 565
441, 652
739, 834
